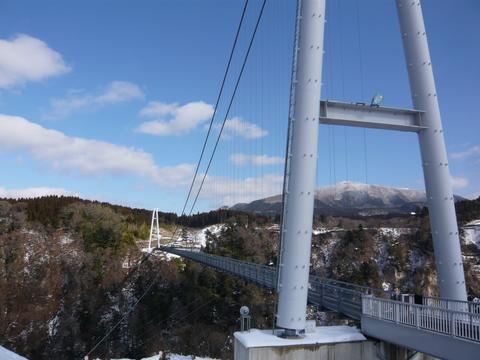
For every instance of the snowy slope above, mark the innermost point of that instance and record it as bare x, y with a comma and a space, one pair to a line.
201, 236
471, 233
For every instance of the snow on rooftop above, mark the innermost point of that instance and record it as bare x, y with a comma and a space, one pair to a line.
173, 357
321, 335
6, 354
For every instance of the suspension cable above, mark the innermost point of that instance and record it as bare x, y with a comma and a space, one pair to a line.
198, 308
342, 72
225, 75
359, 38
229, 105
124, 316
239, 27
157, 322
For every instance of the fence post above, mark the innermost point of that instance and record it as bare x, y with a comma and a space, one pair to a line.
417, 316
452, 320
473, 333
322, 286
339, 296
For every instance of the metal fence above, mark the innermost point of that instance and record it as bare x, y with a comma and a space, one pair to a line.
259, 274
455, 318
457, 305
334, 295
336, 298
458, 324
355, 287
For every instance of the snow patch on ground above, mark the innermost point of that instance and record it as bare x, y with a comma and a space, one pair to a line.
324, 230
201, 236
66, 239
325, 249
273, 227
386, 286
393, 232
6, 354
471, 233
52, 325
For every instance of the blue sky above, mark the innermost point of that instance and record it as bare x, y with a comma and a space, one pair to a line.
110, 99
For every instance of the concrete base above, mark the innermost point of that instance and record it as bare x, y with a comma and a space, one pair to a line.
322, 343
326, 342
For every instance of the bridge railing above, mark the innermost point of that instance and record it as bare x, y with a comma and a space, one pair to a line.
259, 274
458, 324
355, 287
336, 298
464, 306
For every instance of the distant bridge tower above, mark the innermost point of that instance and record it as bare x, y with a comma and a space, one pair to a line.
154, 231
301, 157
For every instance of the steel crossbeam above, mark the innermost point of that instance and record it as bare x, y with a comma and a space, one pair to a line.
375, 117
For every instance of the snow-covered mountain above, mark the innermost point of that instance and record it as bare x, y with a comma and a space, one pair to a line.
349, 198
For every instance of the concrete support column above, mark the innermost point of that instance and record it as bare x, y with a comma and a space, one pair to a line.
443, 220
301, 167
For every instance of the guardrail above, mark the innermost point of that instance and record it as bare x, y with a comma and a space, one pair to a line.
259, 274
334, 295
457, 305
458, 324
462, 319
336, 298
355, 287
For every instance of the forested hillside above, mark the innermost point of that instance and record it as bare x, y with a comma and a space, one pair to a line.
68, 273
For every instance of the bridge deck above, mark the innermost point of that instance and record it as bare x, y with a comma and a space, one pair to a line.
434, 330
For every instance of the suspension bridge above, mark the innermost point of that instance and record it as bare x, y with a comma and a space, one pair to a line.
447, 327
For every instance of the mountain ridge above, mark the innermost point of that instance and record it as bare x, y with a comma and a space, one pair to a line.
350, 198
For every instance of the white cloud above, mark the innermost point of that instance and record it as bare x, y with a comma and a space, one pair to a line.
238, 127
115, 92
34, 192
174, 119
257, 160
471, 151
25, 58
158, 109
119, 91
459, 182
85, 156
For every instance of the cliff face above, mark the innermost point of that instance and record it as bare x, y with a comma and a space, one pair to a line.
65, 280
49, 282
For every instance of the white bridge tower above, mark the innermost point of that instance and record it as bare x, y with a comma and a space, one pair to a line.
307, 111
154, 231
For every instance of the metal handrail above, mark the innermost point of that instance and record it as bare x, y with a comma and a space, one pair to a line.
458, 324
366, 289
458, 305
355, 301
